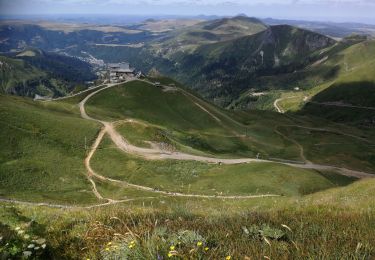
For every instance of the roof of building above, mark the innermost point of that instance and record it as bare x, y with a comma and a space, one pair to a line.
122, 65
123, 70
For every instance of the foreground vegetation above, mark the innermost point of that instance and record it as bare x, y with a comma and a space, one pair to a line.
320, 226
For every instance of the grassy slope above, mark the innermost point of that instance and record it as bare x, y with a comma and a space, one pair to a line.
42, 152
353, 84
173, 120
228, 68
187, 123
13, 71
357, 80
218, 222
46, 74
202, 178
333, 224
334, 149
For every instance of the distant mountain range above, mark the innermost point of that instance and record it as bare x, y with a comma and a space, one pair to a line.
225, 60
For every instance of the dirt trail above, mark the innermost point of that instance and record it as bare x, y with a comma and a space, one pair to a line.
234, 132
90, 171
338, 104
300, 147
331, 131
62, 206
208, 112
77, 94
151, 154
276, 104
157, 154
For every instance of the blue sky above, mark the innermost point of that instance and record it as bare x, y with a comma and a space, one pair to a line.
328, 10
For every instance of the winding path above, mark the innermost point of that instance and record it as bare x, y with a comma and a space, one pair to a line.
150, 154
338, 104
157, 154
279, 108
62, 206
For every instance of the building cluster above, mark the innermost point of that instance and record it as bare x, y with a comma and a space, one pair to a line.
120, 72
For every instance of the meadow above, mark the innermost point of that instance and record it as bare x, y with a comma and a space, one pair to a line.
42, 152
315, 215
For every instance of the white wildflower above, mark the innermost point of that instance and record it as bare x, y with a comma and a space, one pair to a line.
27, 254
40, 241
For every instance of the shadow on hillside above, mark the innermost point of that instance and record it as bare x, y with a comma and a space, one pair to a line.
351, 102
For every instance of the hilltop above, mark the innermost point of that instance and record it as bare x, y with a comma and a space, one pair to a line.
230, 67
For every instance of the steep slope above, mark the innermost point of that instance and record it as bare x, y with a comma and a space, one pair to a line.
39, 135
33, 72
176, 120
41, 161
294, 87
350, 96
226, 68
13, 72
42, 149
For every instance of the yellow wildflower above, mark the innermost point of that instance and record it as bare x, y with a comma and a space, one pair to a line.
199, 243
170, 254
228, 257
133, 242
172, 247
109, 243
107, 249
131, 246
206, 248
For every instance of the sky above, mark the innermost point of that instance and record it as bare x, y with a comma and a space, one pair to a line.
319, 10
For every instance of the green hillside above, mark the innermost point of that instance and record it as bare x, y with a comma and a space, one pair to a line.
228, 68
346, 95
207, 179
13, 72
339, 222
351, 97
33, 71
40, 135
42, 152
46, 141
180, 121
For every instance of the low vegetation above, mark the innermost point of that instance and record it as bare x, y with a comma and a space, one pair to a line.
42, 152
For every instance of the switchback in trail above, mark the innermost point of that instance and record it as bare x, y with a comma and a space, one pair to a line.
157, 154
